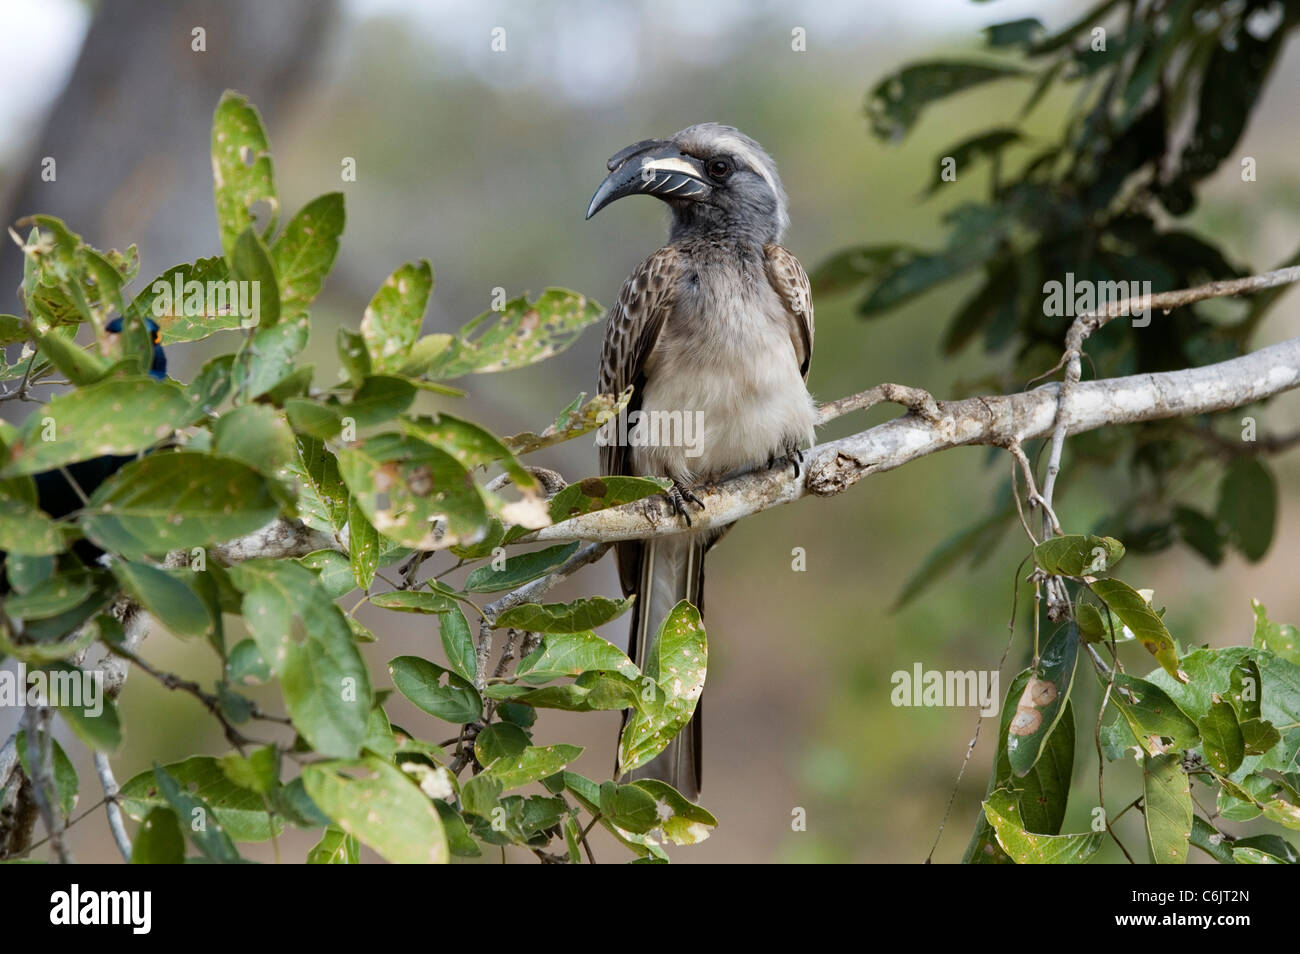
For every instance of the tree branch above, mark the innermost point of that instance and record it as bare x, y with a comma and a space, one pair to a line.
1000, 421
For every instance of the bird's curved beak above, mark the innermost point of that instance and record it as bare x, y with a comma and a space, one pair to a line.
651, 167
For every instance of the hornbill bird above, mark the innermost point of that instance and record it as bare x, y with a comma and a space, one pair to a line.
717, 325
56, 496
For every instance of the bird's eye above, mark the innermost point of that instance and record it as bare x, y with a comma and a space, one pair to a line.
718, 168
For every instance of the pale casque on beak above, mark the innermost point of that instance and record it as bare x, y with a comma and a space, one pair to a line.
652, 167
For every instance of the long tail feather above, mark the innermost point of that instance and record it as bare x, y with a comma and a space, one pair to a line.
671, 570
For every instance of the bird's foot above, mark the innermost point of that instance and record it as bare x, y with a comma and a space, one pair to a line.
679, 495
793, 455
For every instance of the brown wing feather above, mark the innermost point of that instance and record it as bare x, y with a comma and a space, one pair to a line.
631, 331
786, 275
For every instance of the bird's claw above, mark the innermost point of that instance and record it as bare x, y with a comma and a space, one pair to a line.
679, 495
793, 455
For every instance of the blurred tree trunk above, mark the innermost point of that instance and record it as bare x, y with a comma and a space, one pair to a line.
130, 133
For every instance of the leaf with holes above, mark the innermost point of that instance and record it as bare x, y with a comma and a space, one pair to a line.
380, 805
522, 333
414, 493
242, 171
1136, 613
391, 322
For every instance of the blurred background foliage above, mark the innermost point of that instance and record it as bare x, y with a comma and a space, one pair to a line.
483, 162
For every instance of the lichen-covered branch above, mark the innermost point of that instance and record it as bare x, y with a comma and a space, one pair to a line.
1000, 420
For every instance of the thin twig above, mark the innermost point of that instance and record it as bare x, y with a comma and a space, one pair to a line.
115, 824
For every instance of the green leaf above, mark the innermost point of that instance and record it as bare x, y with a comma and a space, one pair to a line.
414, 601
117, 416
848, 269
25, 530
64, 774
1245, 689
259, 436
313, 418
378, 804
167, 595
335, 847
967, 152
1272, 845
458, 644
49, 598
363, 546
305, 251
683, 822
83, 705
470, 444
1221, 738
197, 818
1200, 533
1280, 638
414, 493
1210, 679
599, 493
1077, 555
1027, 848
1045, 788
12, 330
380, 398
323, 500
212, 386
581, 614
1020, 32
519, 569
572, 654
574, 421
391, 322
306, 640
1259, 736
353, 356
1167, 793
1148, 710
159, 840
1207, 838
677, 663
896, 102
455, 700
267, 359
479, 795
26, 572
241, 170
333, 571
1248, 506
173, 501
629, 807
205, 305
241, 811
919, 274
594, 691
259, 772
521, 334
1042, 702
531, 764
1136, 613
250, 263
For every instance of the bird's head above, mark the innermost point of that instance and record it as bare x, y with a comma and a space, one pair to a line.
158, 366
714, 178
